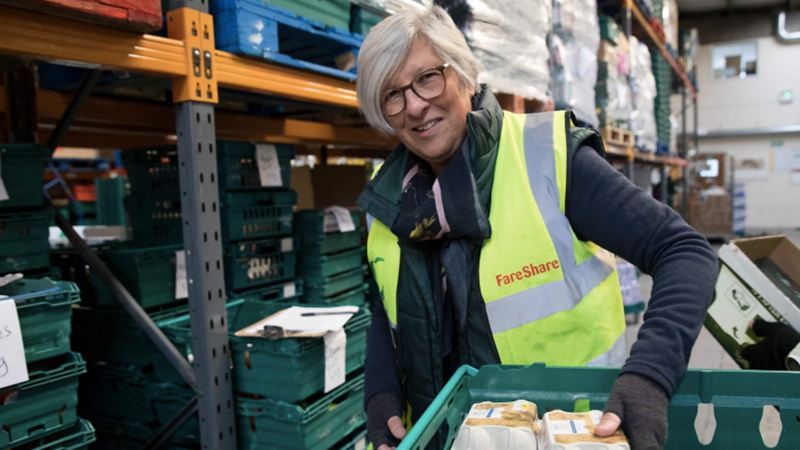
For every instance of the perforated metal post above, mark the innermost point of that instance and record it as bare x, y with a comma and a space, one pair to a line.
195, 95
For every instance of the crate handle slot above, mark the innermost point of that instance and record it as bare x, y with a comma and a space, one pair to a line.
705, 423
247, 363
770, 426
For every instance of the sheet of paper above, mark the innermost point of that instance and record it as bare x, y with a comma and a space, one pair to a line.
269, 167
344, 221
335, 352
287, 245
9, 278
13, 367
289, 290
299, 321
181, 286
3, 191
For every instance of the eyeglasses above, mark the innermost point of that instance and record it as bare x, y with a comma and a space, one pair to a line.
428, 85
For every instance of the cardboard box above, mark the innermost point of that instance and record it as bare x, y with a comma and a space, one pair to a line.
758, 277
327, 185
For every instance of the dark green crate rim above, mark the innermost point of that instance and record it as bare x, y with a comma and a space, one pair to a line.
240, 249
70, 437
258, 199
273, 292
296, 413
73, 366
736, 395
43, 291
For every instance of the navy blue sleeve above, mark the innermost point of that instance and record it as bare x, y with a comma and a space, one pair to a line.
606, 208
380, 373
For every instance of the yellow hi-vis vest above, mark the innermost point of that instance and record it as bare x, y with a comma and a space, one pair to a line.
549, 296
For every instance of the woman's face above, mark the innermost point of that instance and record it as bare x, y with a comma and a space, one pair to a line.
431, 129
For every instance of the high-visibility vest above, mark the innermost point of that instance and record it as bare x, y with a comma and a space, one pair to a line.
549, 296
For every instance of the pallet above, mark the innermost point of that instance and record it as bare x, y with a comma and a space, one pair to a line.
617, 136
251, 28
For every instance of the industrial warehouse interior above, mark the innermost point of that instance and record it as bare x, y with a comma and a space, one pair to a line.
399, 224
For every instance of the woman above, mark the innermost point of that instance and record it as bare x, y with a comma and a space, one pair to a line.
481, 240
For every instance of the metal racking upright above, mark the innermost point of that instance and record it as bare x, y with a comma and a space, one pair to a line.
187, 56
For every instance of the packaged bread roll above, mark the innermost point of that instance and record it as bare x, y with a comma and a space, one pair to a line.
499, 426
575, 431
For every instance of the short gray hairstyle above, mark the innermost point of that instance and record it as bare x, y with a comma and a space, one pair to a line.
386, 46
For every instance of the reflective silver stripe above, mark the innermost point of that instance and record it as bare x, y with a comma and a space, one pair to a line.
614, 357
369, 222
542, 301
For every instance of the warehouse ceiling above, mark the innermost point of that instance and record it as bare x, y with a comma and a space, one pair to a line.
697, 6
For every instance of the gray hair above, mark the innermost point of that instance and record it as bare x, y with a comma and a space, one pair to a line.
387, 45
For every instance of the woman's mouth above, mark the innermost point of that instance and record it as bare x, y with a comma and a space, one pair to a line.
422, 129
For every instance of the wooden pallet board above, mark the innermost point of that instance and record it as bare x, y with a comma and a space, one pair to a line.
617, 136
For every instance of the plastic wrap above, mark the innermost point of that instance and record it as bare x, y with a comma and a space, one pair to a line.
670, 15
614, 95
643, 84
573, 47
509, 39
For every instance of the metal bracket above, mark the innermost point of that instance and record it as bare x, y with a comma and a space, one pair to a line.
196, 30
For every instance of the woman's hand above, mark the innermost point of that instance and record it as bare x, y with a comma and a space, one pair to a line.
639, 406
384, 426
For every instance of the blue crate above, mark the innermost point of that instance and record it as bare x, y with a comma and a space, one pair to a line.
662, 149
252, 28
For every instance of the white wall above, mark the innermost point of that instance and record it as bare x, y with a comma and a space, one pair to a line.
772, 202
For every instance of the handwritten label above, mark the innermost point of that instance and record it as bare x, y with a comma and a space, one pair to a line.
287, 245
335, 350
181, 286
13, 368
289, 290
344, 220
3, 191
269, 167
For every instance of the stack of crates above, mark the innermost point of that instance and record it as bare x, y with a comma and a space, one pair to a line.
663, 74
42, 412
331, 263
24, 221
279, 384
256, 212
154, 203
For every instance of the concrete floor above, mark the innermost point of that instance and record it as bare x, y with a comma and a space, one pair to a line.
708, 354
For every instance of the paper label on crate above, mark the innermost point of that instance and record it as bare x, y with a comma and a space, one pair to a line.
3, 191
344, 220
269, 167
360, 444
568, 427
13, 367
289, 290
335, 346
287, 245
181, 285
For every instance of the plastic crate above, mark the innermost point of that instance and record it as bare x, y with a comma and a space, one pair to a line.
127, 435
251, 215
286, 291
362, 20
333, 13
318, 289
290, 370
259, 29
22, 167
148, 272
352, 297
357, 440
111, 201
75, 437
238, 167
315, 239
24, 241
44, 308
738, 398
266, 423
330, 265
45, 403
251, 264
124, 342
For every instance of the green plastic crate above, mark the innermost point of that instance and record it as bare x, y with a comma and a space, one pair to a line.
124, 342
357, 440
148, 272
286, 291
126, 435
24, 241
738, 398
45, 403
111, 201
273, 424
316, 237
318, 289
154, 220
249, 264
22, 167
256, 214
290, 370
238, 167
352, 297
44, 308
330, 265
362, 20
75, 437
333, 13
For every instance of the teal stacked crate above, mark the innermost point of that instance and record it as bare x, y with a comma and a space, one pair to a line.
279, 383
41, 412
111, 201
116, 394
154, 203
238, 164
331, 262
23, 220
